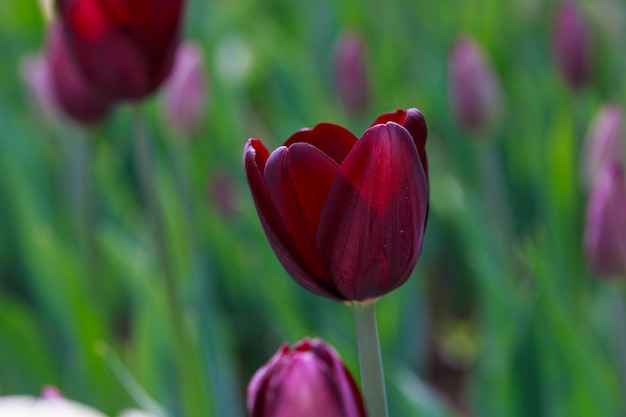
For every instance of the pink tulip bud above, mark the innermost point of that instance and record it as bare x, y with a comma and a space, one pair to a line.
351, 74
307, 381
603, 142
475, 93
185, 89
36, 77
605, 227
72, 93
571, 45
50, 392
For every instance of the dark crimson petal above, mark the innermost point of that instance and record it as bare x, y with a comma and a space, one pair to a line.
255, 158
414, 122
335, 141
372, 223
298, 179
71, 91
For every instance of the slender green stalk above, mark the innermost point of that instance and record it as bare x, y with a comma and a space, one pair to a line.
187, 372
372, 377
618, 313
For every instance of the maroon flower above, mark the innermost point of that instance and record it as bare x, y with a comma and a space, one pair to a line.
308, 381
571, 45
345, 216
70, 91
605, 227
125, 48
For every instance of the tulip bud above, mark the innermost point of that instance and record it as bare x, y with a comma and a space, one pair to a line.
125, 49
603, 142
36, 77
351, 74
308, 381
71, 91
320, 193
184, 92
571, 45
475, 93
605, 226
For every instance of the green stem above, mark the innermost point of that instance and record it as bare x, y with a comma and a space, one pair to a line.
144, 153
372, 377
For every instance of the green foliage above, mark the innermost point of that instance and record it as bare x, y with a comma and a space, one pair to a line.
501, 317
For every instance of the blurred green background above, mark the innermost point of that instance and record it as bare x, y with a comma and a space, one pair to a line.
502, 316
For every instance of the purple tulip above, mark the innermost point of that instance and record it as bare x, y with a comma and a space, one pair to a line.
605, 227
571, 45
351, 74
308, 381
345, 216
184, 91
475, 93
125, 48
603, 142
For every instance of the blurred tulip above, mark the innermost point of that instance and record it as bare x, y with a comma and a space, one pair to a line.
571, 45
346, 217
124, 48
36, 77
605, 227
184, 91
352, 83
71, 92
308, 381
25, 406
222, 192
603, 142
475, 92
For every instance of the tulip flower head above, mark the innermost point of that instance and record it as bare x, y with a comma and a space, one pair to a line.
25, 406
475, 93
184, 91
345, 216
351, 74
309, 380
71, 90
605, 223
571, 45
603, 142
125, 49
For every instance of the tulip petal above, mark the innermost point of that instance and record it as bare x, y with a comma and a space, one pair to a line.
298, 179
255, 159
333, 140
414, 122
372, 224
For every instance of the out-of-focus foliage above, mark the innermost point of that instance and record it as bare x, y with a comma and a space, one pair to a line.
502, 316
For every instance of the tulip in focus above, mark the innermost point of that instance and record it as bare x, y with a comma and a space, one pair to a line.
571, 45
351, 74
603, 142
605, 227
184, 92
345, 216
307, 381
475, 92
124, 48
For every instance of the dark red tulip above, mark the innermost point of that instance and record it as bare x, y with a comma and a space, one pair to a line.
605, 223
125, 48
345, 216
71, 92
571, 45
308, 381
